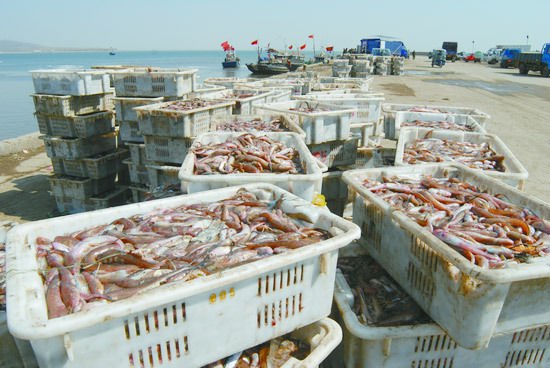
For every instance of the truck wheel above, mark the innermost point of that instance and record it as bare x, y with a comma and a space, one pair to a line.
502, 65
545, 72
523, 69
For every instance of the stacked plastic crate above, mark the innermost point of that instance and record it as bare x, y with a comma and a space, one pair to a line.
382, 65
397, 65
74, 112
361, 68
341, 68
138, 87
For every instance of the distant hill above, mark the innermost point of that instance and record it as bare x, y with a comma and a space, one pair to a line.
17, 46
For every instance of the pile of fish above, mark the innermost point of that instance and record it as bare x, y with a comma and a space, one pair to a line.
186, 105
446, 125
379, 300
132, 255
257, 124
475, 156
272, 354
246, 153
487, 230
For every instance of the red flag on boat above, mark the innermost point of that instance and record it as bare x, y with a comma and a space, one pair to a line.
290, 47
330, 48
255, 42
303, 46
224, 44
310, 36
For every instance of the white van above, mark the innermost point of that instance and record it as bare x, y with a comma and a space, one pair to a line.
492, 56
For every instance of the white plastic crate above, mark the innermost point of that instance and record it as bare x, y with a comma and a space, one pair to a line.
111, 198
289, 125
322, 337
340, 62
229, 82
335, 153
207, 91
166, 149
427, 345
368, 108
337, 83
407, 116
371, 157
280, 95
259, 300
363, 130
154, 82
467, 301
75, 126
303, 185
137, 153
320, 127
162, 175
124, 106
244, 106
157, 120
77, 148
96, 167
138, 173
515, 174
74, 82
128, 131
390, 109
71, 105
80, 188
298, 87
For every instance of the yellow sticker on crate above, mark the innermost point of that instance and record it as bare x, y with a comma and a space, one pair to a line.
319, 200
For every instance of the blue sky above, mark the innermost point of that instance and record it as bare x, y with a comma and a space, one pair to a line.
204, 24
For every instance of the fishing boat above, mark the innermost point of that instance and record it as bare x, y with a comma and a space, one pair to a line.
231, 59
268, 68
112, 52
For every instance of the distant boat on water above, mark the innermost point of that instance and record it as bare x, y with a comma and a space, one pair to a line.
112, 52
231, 60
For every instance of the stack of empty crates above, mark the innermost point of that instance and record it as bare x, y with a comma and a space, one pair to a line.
382, 65
361, 66
152, 172
397, 65
341, 68
74, 112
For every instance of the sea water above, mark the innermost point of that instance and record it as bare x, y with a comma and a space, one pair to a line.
17, 108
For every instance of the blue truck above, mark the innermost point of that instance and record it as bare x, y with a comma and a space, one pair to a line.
451, 48
508, 58
535, 61
396, 47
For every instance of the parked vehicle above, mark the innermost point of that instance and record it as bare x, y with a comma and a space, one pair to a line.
492, 56
451, 48
475, 57
535, 61
438, 57
478, 56
508, 58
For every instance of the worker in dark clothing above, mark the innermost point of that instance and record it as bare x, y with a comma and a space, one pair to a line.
414, 54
